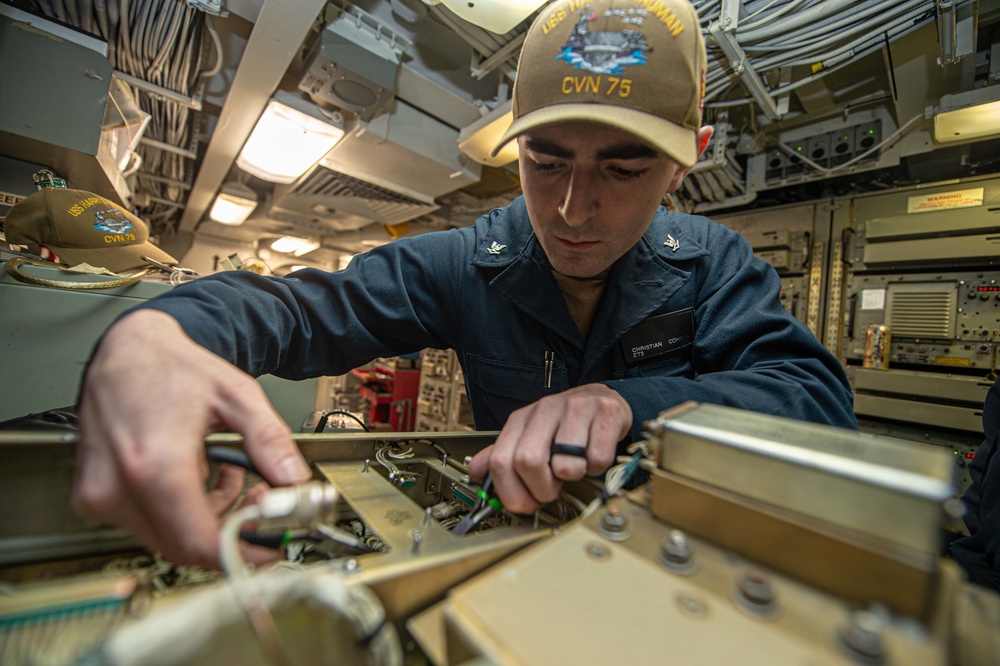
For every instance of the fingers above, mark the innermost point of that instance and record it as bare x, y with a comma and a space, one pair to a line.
266, 438
140, 463
227, 489
509, 475
480, 463
526, 471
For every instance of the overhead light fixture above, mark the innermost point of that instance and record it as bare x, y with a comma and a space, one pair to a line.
480, 138
968, 116
294, 245
234, 204
499, 16
290, 137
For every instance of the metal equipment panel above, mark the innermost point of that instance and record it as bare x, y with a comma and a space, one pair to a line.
931, 224
46, 337
863, 483
960, 248
924, 384
911, 411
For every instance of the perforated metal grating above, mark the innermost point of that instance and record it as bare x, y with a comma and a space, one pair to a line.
922, 313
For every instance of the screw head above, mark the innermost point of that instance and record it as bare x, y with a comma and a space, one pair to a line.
614, 520
692, 606
755, 588
863, 635
675, 547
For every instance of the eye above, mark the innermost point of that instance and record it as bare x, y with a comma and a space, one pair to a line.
625, 174
546, 168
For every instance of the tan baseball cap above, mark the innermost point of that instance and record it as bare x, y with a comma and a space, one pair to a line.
635, 65
81, 227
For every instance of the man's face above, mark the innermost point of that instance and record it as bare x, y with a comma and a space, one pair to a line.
591, 192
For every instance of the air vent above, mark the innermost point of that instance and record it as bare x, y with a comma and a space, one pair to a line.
921, 310
346, 203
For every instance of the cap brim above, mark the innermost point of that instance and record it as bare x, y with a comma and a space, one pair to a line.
675, 141
115, 259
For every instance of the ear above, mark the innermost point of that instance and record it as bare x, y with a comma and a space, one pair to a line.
702, 138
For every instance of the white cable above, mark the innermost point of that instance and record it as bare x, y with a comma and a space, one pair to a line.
828, 25
879, 32
805, 17
791, 6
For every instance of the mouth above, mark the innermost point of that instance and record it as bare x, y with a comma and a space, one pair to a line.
576, 245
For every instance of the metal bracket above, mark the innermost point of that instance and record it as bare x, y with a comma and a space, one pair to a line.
213, 7
724, 33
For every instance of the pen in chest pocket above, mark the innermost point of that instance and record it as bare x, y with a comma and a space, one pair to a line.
550, 361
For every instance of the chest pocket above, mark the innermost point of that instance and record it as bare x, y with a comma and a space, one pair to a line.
497, 388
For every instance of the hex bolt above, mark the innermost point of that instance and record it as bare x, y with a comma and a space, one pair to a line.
614, 524
444, 460
755, 587
427, 517
675, 548
864, 635
417, 538
367, 461
614, 520
465, 478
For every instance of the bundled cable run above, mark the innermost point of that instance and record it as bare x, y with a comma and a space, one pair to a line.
163, 43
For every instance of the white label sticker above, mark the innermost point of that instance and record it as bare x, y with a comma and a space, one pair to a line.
873, 299
945, 200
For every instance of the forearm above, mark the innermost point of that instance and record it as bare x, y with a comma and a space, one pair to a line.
317, 323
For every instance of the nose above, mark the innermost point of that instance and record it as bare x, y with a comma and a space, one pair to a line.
579, 202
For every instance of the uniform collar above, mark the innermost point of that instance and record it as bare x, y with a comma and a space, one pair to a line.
639, 284
510, 234
508, 237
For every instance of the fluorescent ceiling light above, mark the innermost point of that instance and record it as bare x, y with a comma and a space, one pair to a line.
234, 204
290, 137
499, 16
480, 138
968, 116
294, 245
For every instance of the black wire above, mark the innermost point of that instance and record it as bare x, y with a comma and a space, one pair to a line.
325, 416
233, 457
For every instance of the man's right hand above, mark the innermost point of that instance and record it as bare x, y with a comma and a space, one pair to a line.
149, 398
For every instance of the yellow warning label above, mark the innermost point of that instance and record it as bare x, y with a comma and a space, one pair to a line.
952, 360
945, 200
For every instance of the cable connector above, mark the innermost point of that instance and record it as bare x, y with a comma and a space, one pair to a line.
213, 7
305, 504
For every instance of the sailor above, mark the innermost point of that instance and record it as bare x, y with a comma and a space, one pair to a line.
979, 552
579, 311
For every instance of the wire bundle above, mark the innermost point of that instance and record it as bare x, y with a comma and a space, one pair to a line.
161, 42
386, 454
821, 34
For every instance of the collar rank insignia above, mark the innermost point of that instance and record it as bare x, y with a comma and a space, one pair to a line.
672, 243
496, 248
